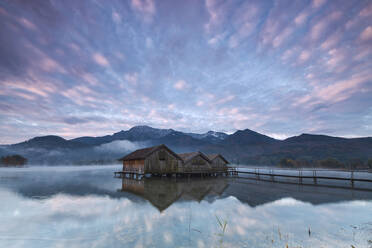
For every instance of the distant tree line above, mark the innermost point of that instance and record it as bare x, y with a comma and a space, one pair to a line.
13, 160
325, 163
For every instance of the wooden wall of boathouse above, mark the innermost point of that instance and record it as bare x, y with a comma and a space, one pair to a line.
162, 161
197, 163
219, 163
131, 165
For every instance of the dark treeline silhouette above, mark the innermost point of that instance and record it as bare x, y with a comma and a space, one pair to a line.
13, 160
331, 163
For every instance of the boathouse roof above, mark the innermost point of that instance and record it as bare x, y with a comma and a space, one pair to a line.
187, 156
213, 156
145, 152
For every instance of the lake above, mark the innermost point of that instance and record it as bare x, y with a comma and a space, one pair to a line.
87, 207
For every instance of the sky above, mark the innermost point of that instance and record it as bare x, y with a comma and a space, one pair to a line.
282, 68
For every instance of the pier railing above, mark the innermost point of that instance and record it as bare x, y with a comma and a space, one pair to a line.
310, 176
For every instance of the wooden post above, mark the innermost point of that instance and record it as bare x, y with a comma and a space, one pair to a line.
352, 178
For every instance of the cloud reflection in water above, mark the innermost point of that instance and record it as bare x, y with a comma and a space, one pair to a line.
101, 221
89, 208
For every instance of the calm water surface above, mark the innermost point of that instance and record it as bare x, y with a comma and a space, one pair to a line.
87, 207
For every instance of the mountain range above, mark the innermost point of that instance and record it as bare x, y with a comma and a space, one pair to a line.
242, 147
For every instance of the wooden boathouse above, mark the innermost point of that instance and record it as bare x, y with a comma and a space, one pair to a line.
195, 161
217, 161
162, 161
155, 160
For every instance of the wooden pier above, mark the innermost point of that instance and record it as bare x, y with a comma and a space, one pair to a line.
271, 174
139, 174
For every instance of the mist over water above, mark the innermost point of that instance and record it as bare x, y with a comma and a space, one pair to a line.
119, 146
86, 207
49, 156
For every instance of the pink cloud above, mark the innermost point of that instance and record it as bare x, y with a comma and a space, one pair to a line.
269, 31
279, 39
100, 59
367, 11
304, 56
301, 18
281, 24
215, 39
351, 23
81, 95
336, 92
336, 57
343, 89
144, 7
44, 61
244, 20
34, 87
215, 14
366, 35
319, 28
310, 76
234, 111
171, 106
288, 53
199, 103
180, 85
233, 41
116, 17
26, 23
331, 41
89, 78
74, 47
357, 20
363, 53
50, 65
226, 99
3, 12
318, 3
131, 78
26, 95
245, 30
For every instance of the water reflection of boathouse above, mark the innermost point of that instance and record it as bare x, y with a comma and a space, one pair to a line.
162, 193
